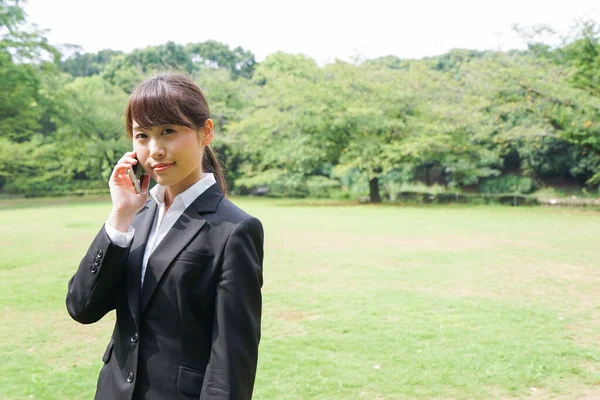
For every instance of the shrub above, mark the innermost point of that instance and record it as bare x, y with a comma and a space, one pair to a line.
508, 184
278, 183
320, 187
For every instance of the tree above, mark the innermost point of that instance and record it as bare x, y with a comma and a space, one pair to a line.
91, 134
583, 55
23, 44
275, 141
227, 98
22, 59
87, 64
20, 110
536, 102
574, 115
120, 72
305, 119
372, 119
213, 54
446, 121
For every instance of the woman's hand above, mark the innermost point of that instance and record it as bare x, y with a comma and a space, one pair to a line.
126, 202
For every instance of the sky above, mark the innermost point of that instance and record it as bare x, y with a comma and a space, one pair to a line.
321, 29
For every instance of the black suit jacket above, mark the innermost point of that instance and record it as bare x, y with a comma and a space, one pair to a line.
193, 331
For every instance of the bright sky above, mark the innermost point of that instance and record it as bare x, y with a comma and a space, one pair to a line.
322, 29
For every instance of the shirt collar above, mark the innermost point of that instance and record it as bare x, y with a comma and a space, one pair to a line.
187, 196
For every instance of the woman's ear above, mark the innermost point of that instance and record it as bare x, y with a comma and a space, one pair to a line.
207, 132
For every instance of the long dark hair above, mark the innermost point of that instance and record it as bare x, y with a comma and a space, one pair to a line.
173, 99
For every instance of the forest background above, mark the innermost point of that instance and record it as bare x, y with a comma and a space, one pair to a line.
521, 121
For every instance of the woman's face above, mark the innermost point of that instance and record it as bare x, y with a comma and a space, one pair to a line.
171, 154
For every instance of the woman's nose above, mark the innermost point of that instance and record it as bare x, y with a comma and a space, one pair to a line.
156, 150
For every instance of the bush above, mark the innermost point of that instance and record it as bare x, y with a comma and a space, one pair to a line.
278, 183
416, 197
53, 187
321, 187
513, 200
422, 188
446, 198
508, 184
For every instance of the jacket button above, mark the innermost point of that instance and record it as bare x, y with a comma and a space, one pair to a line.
97, 262
134, 338
130, 376
99, 253
93, 269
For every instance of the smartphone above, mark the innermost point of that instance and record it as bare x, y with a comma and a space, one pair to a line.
136, 172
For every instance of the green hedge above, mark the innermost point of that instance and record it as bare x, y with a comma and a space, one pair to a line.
508, 183
514, 199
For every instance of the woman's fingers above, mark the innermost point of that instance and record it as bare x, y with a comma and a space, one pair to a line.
120, 176
120, 170
124, 163
127, 159
145, 183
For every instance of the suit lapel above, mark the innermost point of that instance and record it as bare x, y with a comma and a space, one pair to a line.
181, 233
142, 225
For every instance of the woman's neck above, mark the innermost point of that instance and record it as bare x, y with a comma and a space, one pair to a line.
167, 200
175, 190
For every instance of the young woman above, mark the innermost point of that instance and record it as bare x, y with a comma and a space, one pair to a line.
183, 269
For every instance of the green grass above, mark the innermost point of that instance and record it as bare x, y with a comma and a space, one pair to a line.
360, 302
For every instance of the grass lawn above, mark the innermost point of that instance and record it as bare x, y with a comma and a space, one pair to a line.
360, 302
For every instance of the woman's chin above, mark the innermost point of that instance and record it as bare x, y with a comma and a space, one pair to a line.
161, 180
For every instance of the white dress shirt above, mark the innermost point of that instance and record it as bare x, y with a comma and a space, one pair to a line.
163, 221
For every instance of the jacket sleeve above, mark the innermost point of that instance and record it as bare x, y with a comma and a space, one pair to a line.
236, 331
92, 290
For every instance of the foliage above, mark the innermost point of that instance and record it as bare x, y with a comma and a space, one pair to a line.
20, 111
584, 56
508, 183
22, 43
274, 183
301, 129
86, 64
239, 62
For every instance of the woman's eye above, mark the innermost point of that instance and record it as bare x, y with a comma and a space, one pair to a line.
140, 136
168, 131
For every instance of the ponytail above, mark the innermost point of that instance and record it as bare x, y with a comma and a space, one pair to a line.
211, 164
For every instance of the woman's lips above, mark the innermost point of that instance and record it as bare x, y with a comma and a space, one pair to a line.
162, 167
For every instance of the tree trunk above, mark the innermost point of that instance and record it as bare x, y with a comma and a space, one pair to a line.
374, 190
